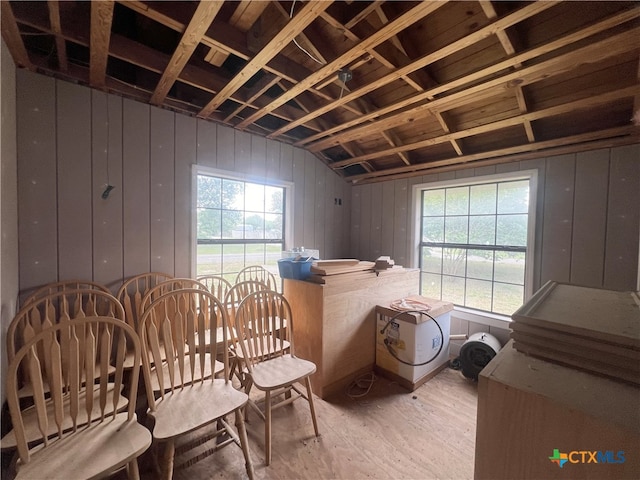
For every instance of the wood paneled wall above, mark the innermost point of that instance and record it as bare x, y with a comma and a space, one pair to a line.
587, 217
73, 141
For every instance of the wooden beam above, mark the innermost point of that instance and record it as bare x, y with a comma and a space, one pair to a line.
414, 14
61, 45
445, 126
223, 36
298, 23
425, 60
11, 36
474, 77
243, 18
539, 149
101, 18
363, 14
608, 47
582, 104
202, 18
611, 142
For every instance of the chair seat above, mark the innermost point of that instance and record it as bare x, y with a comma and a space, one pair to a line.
29, 416
188, 378
281, 371
194, 406
91, 452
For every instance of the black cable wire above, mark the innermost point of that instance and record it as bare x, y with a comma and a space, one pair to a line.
393, 353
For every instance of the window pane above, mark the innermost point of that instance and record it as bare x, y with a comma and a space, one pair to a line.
209, 223
255, 254
432, 259
273, 252
209, 259
232, 224
483, 199
433, 229
274, 198
233, 258
453, 289
509, 267
513, 197
232, 194
482, 230
273, 225
433, 202
254, 197
454, 261
457, 201
431, 285
512, 230
480, 264
456, 230
253, 225
478, 294
507, 298
209, 192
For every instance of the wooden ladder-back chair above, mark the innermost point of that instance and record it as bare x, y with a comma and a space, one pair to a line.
165, 287
133, 289
61, 287
257, 272
217, 285
236, 294
184, 396
63, 307
271, 367
83, 433
58, 307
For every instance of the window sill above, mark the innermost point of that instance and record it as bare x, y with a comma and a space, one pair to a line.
483, 318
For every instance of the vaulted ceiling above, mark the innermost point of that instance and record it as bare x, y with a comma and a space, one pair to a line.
375, 89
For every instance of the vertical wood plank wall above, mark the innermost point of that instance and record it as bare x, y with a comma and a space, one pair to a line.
72, 141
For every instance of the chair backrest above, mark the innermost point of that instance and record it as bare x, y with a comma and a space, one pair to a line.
61, 287
57, 307
238, 292
168, 286
184, 313
217, 285
264, 326
133, 289
52, 356
257, 272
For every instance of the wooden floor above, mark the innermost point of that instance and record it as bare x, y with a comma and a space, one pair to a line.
390, 433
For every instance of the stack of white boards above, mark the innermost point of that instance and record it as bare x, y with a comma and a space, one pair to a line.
345, 270
590, 329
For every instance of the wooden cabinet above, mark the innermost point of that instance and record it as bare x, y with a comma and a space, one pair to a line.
335, 323
528, 408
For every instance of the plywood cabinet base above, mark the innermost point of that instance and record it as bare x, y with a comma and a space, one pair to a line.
335, 324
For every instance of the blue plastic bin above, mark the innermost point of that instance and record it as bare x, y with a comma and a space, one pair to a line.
295, 269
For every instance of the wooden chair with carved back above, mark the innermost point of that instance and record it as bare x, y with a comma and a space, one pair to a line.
269, 360
62, 307
259, 273
184, 396
83, 430
133, 290
61, 286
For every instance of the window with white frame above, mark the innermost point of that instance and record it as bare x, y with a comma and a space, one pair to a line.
238, 222
476, 241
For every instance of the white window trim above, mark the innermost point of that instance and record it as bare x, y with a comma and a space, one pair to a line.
464, 313
215, 172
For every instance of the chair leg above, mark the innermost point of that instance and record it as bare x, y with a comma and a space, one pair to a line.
167, 459
307, 382
132, 470
267, 427
244, 443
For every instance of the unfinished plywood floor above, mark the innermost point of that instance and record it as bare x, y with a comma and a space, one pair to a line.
388, 434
